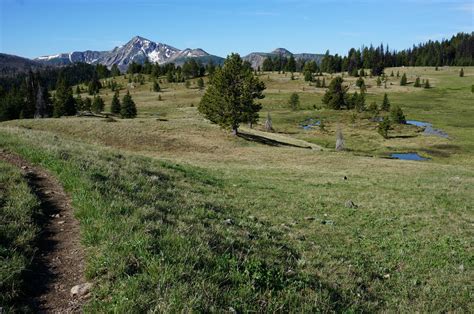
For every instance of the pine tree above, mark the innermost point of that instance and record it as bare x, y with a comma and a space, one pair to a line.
64, 104
360, 83
98, 104
115, 106
128, 108
318, 82
230, 97
291, 65
427, 84
403, 80
294, 101
391, 74
384, 127
87, 104
187, 84
379, 81
398, 74
417, 82
373, 108
156, 86
115, 71
397, 116
335, 96
94, 85
359, 101
78, 90
200, 83
461, 73
385, 103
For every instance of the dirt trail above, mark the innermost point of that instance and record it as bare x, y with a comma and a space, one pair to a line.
59, 262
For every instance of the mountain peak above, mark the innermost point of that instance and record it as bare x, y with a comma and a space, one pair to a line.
282, 51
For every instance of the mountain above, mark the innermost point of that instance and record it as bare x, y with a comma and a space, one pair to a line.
138, 50
11, 65
256, 58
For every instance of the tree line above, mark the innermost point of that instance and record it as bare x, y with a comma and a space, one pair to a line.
457, 51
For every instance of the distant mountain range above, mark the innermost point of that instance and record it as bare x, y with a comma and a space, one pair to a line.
138, 50
10, 64
256, 58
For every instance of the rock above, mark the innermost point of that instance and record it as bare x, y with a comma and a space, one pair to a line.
350, 204
81, 290
309, 218
345, 178
24, 167
229, 221
61, 222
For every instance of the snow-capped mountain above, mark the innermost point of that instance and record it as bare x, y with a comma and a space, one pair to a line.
138, 50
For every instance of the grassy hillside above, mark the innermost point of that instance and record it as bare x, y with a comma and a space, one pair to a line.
178, 215
19, 212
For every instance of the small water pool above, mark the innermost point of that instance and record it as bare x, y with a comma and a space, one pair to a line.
408, 156
308, 124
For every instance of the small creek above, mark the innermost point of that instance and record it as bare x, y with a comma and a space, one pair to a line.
428, 128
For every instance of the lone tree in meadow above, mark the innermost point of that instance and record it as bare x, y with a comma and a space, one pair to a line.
427, 84
335, 96
230, 97
294, 101
417, 82
403, 80
461, 72
383, 127
156, 86
115, 106
397, 115
128, 109
385, 103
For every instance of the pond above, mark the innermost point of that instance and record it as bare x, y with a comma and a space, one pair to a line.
428, 128
308, 124
408, 156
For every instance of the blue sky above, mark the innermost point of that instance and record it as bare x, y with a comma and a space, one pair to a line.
31, 28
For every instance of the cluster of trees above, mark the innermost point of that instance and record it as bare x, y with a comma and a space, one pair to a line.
27, 95
457, 51
190, 69
230, 97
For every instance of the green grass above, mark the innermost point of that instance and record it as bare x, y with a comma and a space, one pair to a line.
153, 198
18, 230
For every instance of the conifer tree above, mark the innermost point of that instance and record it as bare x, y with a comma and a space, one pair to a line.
87, 104
385, 103
230, 97
427, 84
417, 82
78, 90
397, 116
403, 80
64, 104
200, 83
115, 71
294, 101
128, 109
291, 65
156, 86
335, 96
391, 74
461, 73
379, 81
115, 106
384, 127
98, 104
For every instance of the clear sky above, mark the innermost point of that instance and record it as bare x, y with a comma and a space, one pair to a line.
32, 28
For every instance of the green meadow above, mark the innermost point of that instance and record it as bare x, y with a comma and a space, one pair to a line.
177, 214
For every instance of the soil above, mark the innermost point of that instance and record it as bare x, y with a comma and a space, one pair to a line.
59, 262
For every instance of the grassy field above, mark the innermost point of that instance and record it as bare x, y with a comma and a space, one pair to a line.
177, 214
19, 212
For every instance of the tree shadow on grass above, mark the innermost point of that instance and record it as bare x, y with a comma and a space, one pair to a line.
267, 141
